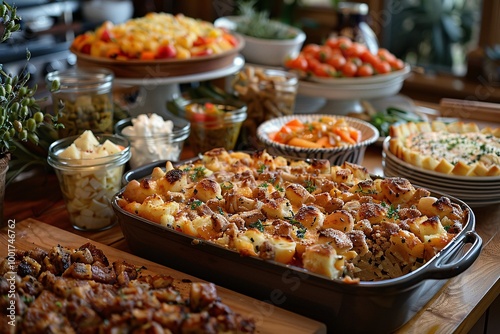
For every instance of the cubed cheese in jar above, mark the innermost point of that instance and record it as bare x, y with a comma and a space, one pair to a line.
89, 172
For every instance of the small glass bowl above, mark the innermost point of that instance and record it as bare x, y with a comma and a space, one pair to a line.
88, 185
219, 131
147, 149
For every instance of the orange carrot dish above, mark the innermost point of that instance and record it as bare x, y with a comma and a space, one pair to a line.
327, 132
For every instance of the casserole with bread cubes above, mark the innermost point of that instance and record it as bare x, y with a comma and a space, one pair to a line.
335, 221
330, 242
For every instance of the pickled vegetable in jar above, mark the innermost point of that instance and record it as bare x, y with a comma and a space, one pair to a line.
205, 112
82, 100
214, 124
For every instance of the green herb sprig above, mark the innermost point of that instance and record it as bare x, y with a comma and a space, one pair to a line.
259, 25
21, 120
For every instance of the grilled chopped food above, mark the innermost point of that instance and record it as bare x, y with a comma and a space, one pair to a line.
78, 291
334, 221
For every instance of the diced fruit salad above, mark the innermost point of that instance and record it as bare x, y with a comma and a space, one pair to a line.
327, 132
341, 57
155, 36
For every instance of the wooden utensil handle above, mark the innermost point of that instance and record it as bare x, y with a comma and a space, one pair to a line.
468, 109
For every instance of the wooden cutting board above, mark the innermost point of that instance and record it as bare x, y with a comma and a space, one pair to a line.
31, 233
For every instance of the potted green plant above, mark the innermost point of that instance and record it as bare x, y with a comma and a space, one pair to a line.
23, 125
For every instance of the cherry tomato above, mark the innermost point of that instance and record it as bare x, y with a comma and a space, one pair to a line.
355, 60
332, 42
385, 54
365, 70
324, 53
344, 43
311, 49
337, 61
397, 64
355, 50
312, 63
298, 63
166, 51
368, 57
324, 70
382, 67
349, 69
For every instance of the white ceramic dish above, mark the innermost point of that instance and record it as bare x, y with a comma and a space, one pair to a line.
379, 78
354, 91
475, 191
336, 156
473, 200
448, 188
268, 52
487, 180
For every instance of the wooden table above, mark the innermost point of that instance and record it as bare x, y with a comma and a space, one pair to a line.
454, 309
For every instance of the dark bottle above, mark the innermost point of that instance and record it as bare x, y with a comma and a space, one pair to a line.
352, 22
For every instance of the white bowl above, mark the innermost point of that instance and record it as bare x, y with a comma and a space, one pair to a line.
268, 52
337, 155
116, 11
355, 88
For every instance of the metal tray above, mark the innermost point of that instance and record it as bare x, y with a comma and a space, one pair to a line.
367, 307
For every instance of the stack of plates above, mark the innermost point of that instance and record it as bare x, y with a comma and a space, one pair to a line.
476, 191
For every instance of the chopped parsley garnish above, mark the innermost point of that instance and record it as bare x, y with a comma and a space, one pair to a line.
195, 204
309, 185
392, 212
198, 173
280, 189
362, 191
226, 185
263, 185
257, 225
261, 169
301, 229
301, 232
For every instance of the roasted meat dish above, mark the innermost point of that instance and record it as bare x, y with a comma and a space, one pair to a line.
67, 290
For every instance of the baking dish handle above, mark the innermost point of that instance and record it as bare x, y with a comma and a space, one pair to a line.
448, 265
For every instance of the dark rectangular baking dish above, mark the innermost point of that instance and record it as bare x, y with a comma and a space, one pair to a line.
367, 307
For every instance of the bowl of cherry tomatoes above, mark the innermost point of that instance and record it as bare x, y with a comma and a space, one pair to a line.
341, 69
318, 136
340, 59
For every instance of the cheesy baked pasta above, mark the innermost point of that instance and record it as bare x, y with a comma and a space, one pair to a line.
335, 221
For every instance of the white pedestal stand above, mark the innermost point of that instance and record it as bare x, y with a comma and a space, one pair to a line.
155, 92
343, 97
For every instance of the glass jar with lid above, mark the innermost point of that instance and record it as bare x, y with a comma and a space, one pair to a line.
83, 100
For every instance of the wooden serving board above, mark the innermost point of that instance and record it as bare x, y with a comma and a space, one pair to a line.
31, 233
